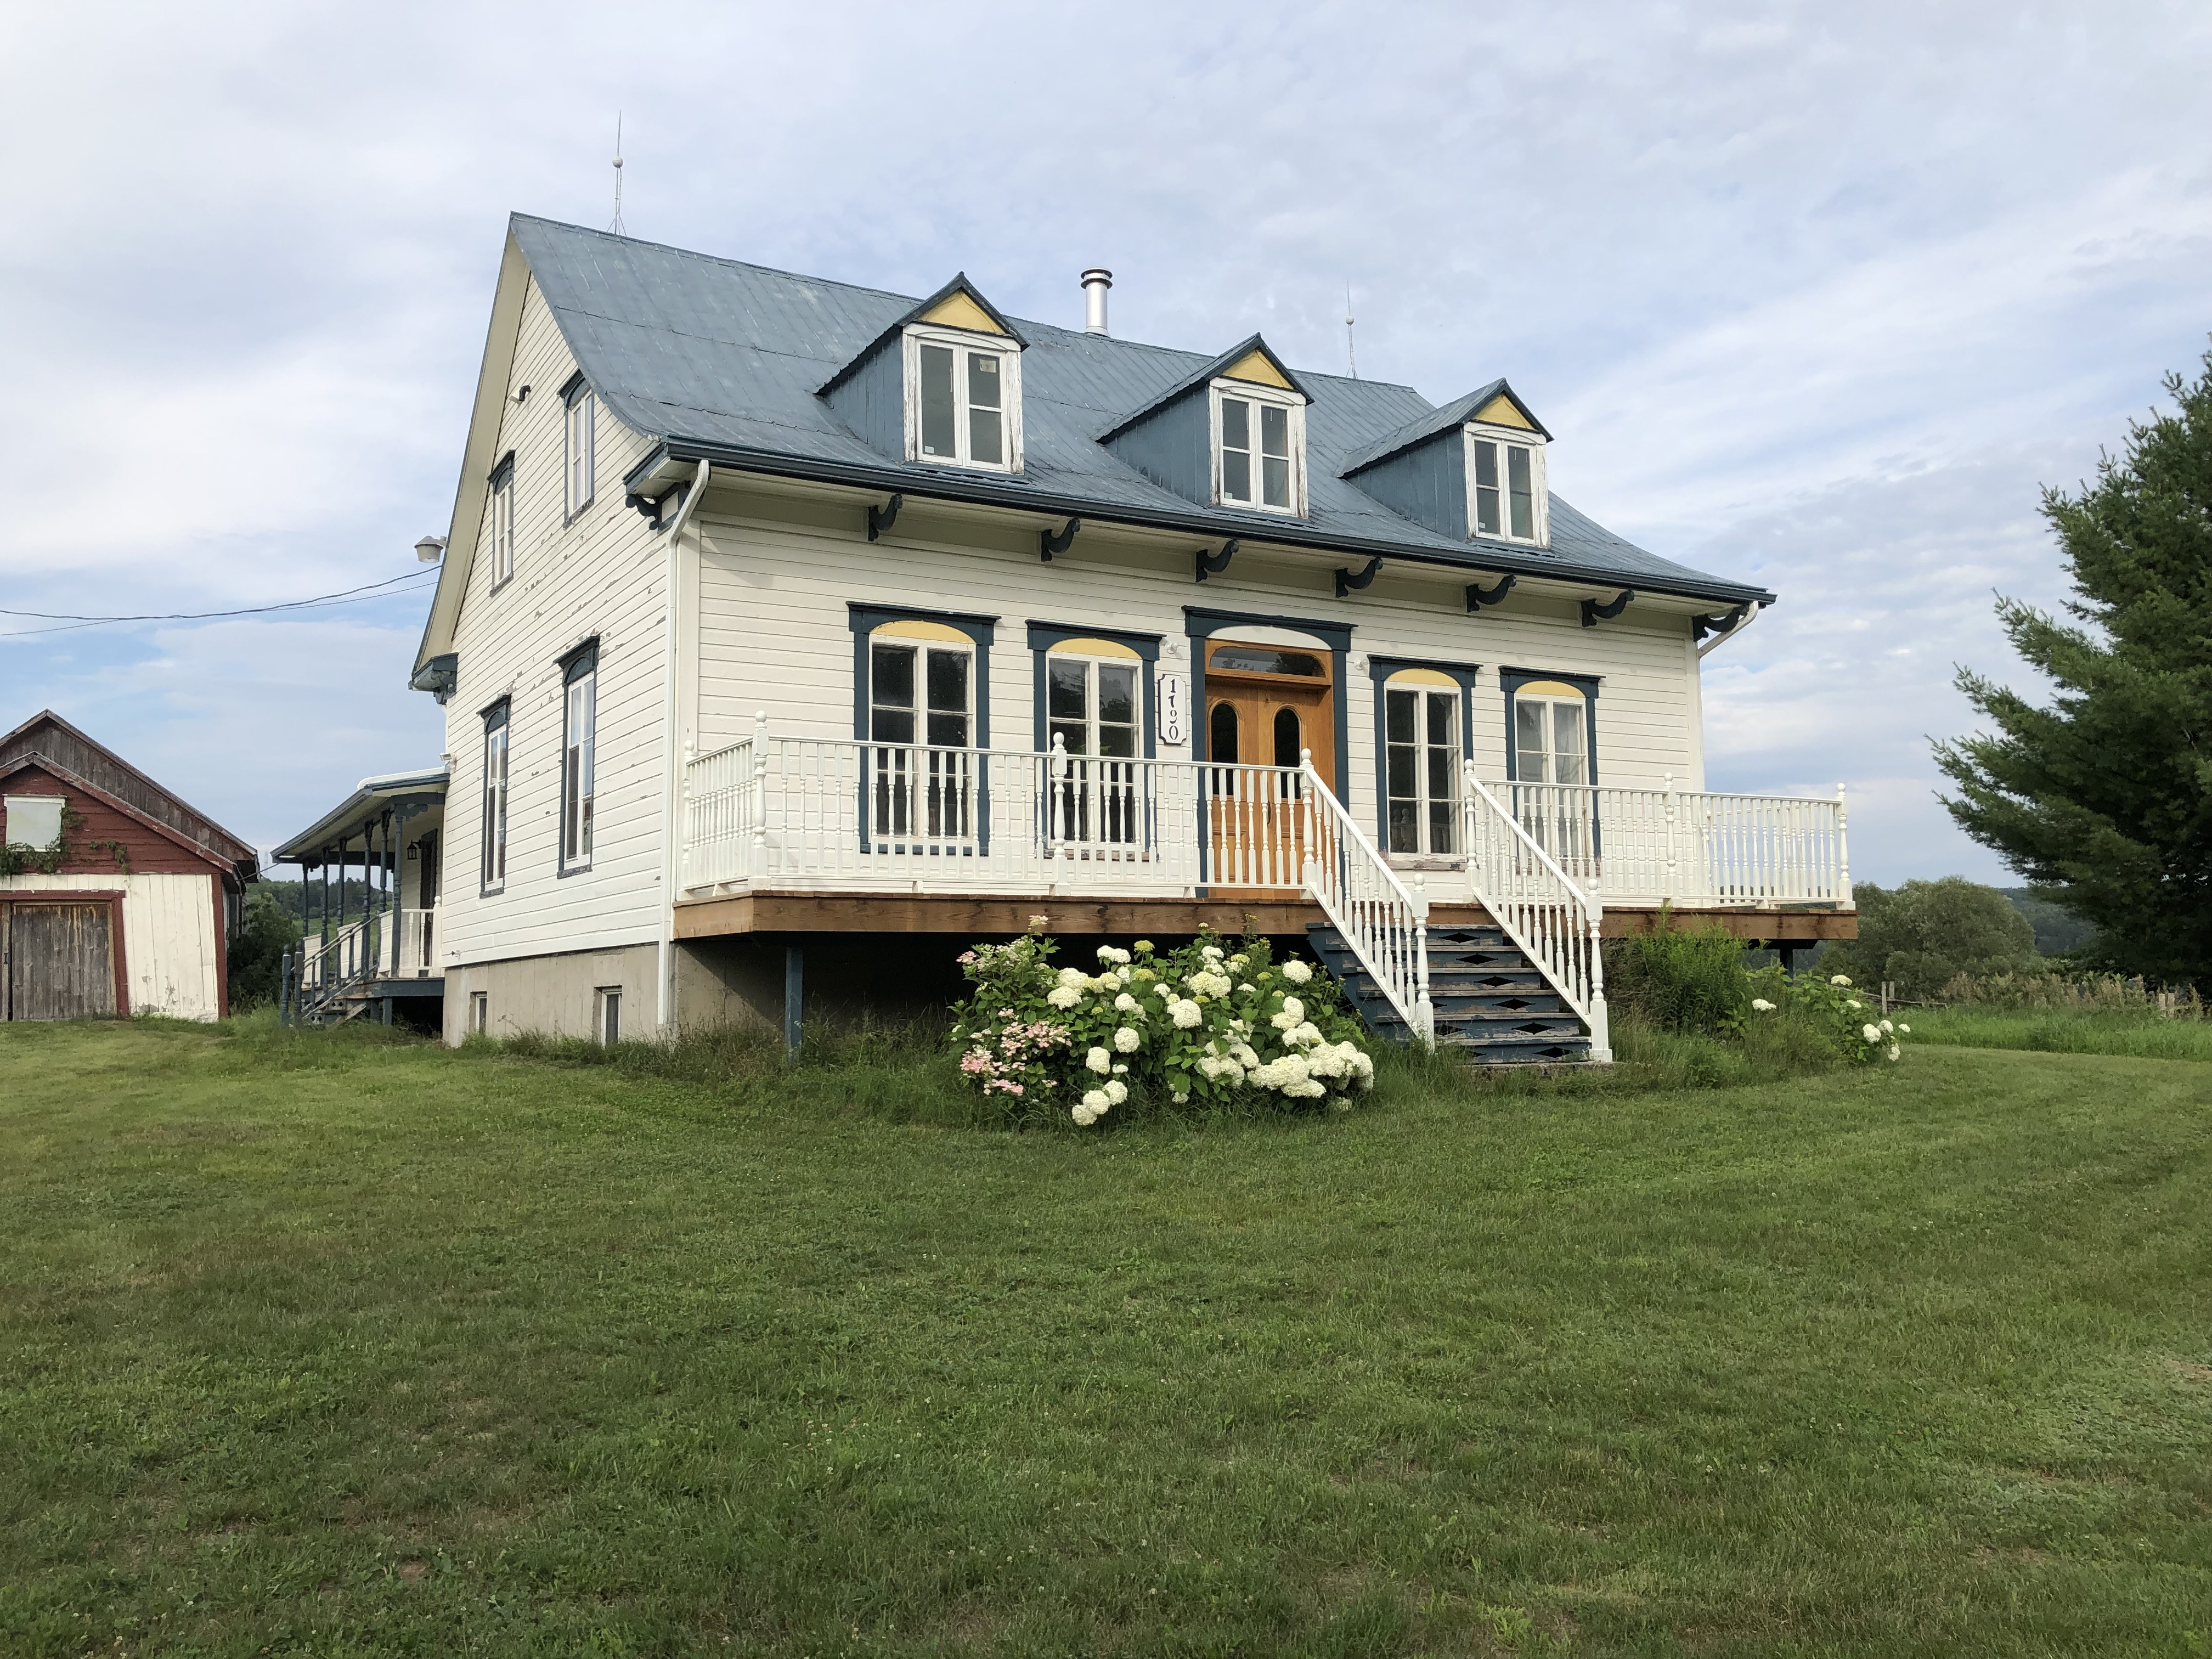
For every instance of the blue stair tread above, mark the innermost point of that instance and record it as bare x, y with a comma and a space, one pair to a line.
1474, 974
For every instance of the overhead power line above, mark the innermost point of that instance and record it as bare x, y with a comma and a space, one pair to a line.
71, 621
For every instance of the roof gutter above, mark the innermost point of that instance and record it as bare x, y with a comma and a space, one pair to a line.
982, 492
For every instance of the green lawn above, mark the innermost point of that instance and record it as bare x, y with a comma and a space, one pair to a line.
346, 1347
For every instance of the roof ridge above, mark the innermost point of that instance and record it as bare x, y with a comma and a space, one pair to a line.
912, 299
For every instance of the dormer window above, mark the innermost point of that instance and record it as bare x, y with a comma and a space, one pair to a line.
1505, 493
963, 399
1258, 448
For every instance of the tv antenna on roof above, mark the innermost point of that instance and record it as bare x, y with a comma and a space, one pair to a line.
616, 227
1350, 356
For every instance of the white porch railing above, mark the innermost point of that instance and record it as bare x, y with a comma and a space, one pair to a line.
1685, 845
390, 945
1386, 925
1553, 923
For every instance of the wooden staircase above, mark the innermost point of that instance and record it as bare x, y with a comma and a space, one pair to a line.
1492, 1005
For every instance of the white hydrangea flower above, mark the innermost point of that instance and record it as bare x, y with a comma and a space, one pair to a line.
1841, 979
1119, 1070
1125, 975
1907, 1030
1117, 1091
1063, 997
1211, 953
1127, 1041
1180, 1096
1108, 953
1855, 1004
1871, 1033
1887, 1028
1294, 1008
1186, 1015
1126, 1004
1096, 1100
1083, 1115
1099, 1061
1296, 972
1894, 1051
1762, 1005
1073, 978
1239, 963
1245, 1054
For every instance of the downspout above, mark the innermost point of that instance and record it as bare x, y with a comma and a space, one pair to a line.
671, 708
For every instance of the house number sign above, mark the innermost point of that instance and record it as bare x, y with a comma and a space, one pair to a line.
1175, 701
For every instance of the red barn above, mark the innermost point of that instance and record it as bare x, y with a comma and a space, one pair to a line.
115, 897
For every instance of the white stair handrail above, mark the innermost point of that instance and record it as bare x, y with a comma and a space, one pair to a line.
1550, 919
1385, 925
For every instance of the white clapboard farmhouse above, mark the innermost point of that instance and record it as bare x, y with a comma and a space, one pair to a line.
792, 635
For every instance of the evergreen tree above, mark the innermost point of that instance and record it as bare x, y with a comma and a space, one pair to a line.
2105, 796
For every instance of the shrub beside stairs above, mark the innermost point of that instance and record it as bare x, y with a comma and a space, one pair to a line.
1492, 1005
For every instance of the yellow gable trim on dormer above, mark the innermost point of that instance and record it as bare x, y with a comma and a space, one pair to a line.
1255, 366
957, 310
1500, 411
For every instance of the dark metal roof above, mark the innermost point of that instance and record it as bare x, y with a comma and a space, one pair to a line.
1457, 412
720, 358
1203, 375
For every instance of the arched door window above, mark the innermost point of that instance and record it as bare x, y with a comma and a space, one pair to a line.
1287, 737
1221, 734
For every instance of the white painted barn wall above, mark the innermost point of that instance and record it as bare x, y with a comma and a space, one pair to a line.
603, 575
170, 945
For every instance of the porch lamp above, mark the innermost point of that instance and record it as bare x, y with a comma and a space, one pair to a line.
430, 549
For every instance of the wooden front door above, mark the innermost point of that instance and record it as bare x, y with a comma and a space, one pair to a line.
57, 959
1265, 705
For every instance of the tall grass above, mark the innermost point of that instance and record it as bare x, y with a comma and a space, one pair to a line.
2080, 1030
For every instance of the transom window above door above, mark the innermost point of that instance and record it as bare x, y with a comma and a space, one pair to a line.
921, 691
1258, 448
963, 400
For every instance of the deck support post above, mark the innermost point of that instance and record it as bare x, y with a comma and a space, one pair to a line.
795, 998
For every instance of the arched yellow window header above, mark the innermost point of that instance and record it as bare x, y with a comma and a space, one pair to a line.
1423, 677
916, 629
1547, 689
1093, 648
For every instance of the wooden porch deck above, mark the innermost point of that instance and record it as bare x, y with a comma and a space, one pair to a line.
982, 915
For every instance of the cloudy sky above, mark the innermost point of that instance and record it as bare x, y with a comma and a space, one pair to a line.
1815, 295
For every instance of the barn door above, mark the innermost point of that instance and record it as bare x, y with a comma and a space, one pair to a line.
56, 960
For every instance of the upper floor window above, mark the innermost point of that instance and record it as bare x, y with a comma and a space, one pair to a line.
503, 521
33, 821
578, 469
1258, 449
1506, 491
579, 733
495, 798
1551, 728
963, 399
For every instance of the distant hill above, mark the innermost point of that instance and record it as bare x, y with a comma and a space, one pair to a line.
2056, 929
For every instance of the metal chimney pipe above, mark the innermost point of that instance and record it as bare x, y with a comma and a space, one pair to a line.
1096, 281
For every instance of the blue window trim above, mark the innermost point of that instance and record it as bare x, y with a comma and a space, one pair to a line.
573, 390
496, 715
1202, 624
864, 620
1044, 635
1379, 669
501, 477
1510, 680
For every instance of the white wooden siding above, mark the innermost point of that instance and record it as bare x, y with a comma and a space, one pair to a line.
170, 946
603, 575
772, 634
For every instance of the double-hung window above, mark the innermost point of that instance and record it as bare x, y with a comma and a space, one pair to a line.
578, 470
1421, 759
1259, 451
495, 797
579, 720
1094, 709
503, 521
1551, 748
1505, 488
963, 400
921, 704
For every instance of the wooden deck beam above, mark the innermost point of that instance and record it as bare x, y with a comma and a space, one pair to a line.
979, 915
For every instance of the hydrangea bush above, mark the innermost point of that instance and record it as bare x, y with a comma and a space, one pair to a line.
1853, 1028
1205, 1028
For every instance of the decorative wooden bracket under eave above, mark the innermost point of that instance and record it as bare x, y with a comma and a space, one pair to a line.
1594, 613
1050, 542
1479, 597
881, 519
1346, 582
1213, 564
1725, 622
653, 507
